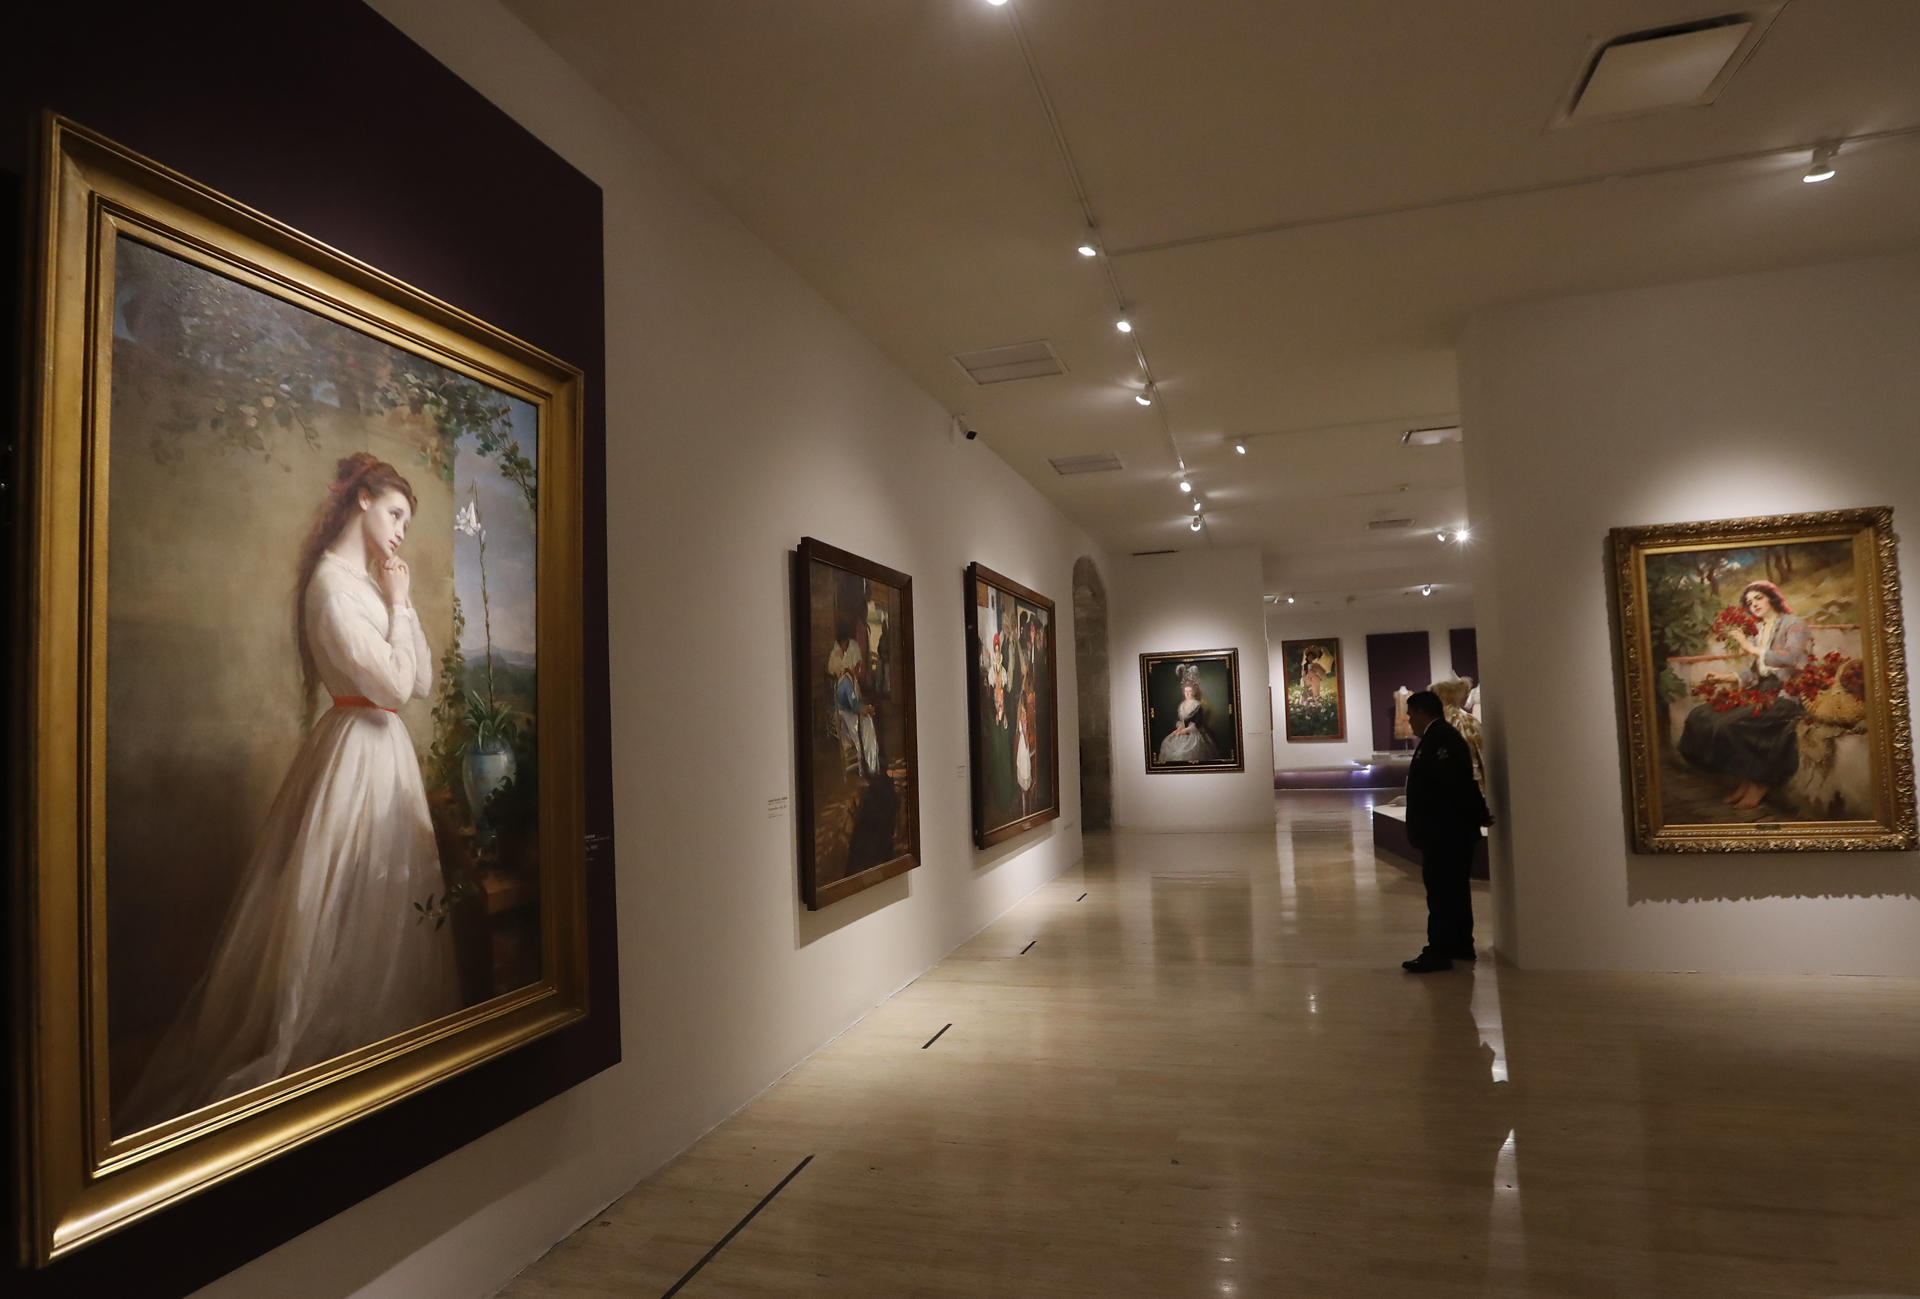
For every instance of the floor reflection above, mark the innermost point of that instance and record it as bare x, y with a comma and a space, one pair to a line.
1210, 1076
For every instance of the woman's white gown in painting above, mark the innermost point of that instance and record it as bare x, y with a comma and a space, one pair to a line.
322, 951
1195, 745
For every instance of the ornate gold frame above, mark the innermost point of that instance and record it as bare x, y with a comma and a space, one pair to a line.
78, 1182
1883, 652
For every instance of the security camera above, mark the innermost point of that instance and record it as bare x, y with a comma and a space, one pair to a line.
972, 433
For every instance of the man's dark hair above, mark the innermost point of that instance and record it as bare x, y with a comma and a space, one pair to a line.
1426, 703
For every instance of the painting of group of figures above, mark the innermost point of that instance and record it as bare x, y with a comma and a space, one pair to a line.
1766, 683
858, 766
1013, 723
317, 862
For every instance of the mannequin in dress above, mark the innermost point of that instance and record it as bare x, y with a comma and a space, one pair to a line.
321, 952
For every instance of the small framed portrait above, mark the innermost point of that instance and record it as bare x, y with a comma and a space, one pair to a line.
1765, 684
859, 775
1190, 711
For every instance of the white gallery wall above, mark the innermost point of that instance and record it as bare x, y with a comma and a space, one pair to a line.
1435, 614
743, 414
1753, 395
1197, 599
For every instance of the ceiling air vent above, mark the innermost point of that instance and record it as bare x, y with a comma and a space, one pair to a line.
1682, 66
1005, 364
1100, 462
1387, 525
1142, 554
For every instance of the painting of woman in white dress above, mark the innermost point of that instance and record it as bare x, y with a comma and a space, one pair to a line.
321, 775
320, 953
1190, 706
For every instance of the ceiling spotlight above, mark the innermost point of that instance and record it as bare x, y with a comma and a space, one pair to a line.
996, 3
1289, 599
1087, 249
1145, 398
1440, 536
1426, 590
1462, 535
1240, 447
1196, 505
1186, 485
1193, 525
1821, 167
1124, 325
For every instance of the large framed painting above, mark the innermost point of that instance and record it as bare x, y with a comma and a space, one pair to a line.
858, 777
1316, 689
1765, 682
1012, 722
1190, 711
300, 786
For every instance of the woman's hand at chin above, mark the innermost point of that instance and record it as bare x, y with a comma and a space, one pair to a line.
396, 582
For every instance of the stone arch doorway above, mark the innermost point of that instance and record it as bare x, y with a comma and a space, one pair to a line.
1095, 689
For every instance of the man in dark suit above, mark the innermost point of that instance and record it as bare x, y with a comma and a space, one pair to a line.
1444, 814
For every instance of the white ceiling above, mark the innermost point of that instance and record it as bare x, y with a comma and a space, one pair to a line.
1301, 204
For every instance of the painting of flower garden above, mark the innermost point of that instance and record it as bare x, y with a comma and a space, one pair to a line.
1315, 706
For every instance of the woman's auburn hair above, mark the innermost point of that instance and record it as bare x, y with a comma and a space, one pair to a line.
360, 472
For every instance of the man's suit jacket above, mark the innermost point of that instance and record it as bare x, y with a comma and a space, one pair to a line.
1443, 800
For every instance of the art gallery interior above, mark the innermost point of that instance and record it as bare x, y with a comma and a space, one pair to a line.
1161, 1044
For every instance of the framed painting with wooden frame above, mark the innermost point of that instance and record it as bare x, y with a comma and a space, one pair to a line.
1765, 681
1315, 688
858, 773
1013, 720
295, 838
1190, 711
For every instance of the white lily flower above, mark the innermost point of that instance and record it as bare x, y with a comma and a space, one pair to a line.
468, 519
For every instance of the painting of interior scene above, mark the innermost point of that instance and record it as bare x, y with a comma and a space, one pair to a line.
862, 815
1315, 710
1190, 705
321, 767
1762, 683
1014, 730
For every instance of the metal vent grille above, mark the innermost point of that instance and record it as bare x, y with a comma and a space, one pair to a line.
1387, 525
1100, 462
1142, 554
1033, 360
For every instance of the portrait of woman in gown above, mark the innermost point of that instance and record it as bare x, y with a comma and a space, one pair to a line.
321, 952
1191, 740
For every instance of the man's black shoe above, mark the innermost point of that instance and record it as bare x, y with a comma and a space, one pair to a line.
1428, 962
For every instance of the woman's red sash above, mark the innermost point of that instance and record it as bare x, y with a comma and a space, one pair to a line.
361, 701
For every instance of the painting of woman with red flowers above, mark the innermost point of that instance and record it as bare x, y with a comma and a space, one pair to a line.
1766, 682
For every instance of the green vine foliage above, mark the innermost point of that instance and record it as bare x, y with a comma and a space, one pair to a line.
451, 735
1680, 607
240, 371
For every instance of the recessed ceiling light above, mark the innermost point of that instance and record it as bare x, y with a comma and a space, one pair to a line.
1124, 325
1289, 599
996, 3
1088, 250
1240, 447
1821, 166
1462, 535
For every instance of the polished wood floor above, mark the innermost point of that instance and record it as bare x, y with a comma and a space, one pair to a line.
1210, 1077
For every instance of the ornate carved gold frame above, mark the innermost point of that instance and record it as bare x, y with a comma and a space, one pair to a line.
1883, 647
78, 1182
1231, 658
